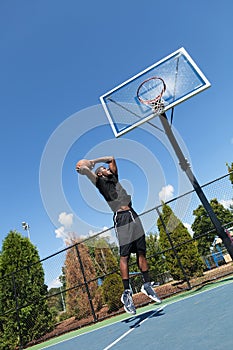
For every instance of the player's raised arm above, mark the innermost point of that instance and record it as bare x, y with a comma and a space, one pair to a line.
113, 166
109, 160
84, 166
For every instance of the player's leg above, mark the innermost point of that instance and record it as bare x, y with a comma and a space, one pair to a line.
126, 297
140, 249
121, 221
124, 269
142, 262
147, 287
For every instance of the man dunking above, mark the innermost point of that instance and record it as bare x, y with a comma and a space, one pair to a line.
128, 227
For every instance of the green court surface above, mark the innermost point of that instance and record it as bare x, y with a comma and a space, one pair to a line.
197, 319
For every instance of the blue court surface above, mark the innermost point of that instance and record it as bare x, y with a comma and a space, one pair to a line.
199, 321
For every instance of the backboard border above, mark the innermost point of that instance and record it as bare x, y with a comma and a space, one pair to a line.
182, 50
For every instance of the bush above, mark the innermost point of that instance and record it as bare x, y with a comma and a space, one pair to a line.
112, 290
98, 300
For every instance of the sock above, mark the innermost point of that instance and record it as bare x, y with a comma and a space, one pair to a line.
146, 277
126, 284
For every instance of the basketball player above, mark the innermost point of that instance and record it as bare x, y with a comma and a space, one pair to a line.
129, 229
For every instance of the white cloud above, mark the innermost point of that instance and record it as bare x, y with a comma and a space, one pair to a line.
188, 226
107, 232
64, 231
55, 283
226, 203
91, 233
66, 219
166, 193
60, 232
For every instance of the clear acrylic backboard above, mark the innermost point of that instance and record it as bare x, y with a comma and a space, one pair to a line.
182, 77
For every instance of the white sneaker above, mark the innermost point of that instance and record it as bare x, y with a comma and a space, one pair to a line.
148, 290
127, 300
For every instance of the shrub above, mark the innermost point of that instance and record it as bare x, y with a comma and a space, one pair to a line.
112, 290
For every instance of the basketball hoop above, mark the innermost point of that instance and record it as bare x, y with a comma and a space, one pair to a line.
150, 93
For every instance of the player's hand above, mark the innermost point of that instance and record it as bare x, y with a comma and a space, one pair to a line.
83, 169
92, 164
83, 165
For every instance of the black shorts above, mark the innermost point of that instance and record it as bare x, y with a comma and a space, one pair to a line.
130, 232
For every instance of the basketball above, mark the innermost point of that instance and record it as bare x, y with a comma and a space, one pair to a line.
84, 162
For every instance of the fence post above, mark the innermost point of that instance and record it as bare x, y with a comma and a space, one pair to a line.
174, 249
85, 282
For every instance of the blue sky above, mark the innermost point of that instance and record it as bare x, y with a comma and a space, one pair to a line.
57, 58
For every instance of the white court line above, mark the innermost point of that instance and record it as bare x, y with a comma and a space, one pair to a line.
131, 330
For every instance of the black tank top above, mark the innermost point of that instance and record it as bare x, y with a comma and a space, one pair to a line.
115, 195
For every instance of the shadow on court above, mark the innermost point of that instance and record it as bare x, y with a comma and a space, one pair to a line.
200, 321
140, 318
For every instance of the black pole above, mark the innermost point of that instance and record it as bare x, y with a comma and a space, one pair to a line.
86, 284
185, 166
174, 249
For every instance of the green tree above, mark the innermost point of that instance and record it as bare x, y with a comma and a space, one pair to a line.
203, 225
56, 301
112, 290
99, 246
187, 253
155, 259
230, 170
22, 287
106, 263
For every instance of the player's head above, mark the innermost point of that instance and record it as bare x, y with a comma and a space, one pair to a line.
102, 171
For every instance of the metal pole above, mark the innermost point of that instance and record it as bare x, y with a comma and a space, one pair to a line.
63, 301
26, 227
185, 166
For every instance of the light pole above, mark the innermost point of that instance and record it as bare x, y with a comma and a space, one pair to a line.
59, 285
26, 227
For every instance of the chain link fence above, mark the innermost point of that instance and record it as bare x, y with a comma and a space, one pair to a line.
83, 283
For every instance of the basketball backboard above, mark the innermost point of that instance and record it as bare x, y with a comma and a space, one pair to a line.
179, 72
